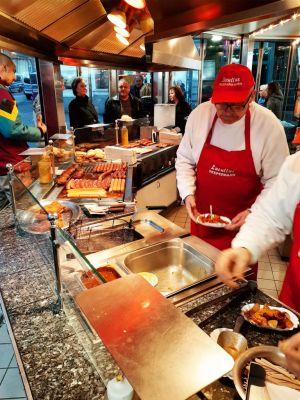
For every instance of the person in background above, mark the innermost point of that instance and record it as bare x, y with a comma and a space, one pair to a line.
135, 89
275, 99
147, 102
13, 133
230, 154
81, 110
180, 84
263, 95
183, 109
146, 90
122, 104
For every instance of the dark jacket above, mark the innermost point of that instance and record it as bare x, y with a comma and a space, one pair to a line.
13, 133
82, 112
113, 109
275, 103
135, 91
183, 110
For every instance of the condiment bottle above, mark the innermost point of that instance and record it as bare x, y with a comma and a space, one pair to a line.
119, 389
45, 169
50, 152
124, 136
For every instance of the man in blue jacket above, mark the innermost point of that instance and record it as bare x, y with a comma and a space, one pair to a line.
13, 133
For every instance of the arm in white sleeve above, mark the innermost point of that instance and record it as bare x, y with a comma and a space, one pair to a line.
185, 163
275, 151
272, 215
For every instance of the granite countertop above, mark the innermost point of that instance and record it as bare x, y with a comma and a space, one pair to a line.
62, 363
56, 364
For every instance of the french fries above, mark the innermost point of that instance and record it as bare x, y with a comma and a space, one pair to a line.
117, 185
84, 193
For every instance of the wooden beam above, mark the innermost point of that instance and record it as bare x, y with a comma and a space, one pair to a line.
21, 36
82, 33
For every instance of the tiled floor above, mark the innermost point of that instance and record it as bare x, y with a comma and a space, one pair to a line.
11, 385
271, 269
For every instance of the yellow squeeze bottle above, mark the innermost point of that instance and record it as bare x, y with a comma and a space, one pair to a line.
45, 169
124, 136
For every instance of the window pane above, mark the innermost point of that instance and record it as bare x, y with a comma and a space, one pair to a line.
216, 55
275, 59
69, 73
188, 82
236, 52
25, 88
292, 90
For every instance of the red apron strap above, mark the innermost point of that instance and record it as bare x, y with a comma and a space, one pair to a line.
247, 130
208, 139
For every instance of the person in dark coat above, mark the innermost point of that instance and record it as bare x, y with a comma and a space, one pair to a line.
135, 89
275, 99
122, 104
81, 110
183, 109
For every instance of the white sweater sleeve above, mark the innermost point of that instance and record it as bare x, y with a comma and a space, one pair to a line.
274, 152
272, 215
185, 163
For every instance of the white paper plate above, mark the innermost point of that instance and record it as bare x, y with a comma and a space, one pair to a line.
293, 317
213, 225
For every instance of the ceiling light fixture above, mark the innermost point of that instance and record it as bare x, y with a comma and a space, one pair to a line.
124, 32
136, 3
122, 39
272, 26
142, 47
216, 38
117, 18
146, 23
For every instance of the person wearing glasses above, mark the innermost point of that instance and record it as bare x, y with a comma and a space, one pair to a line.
230, 154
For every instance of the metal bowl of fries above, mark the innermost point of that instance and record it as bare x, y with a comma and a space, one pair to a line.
271, 354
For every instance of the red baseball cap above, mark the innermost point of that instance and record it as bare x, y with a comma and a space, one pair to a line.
233, 84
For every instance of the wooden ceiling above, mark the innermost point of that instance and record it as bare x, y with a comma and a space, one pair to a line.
58, 28
80, 30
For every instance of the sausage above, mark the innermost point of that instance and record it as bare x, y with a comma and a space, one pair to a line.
102, 176
63, 178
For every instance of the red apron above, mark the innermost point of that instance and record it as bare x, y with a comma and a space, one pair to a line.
228, 181
290, 292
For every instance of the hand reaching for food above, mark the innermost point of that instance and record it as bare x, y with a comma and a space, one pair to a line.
231, 264
291, 349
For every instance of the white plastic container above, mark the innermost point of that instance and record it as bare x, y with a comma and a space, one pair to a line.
119, 389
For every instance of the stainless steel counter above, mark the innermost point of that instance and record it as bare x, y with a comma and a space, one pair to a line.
184, 266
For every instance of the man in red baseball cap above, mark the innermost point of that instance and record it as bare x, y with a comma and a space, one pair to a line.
230, 154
